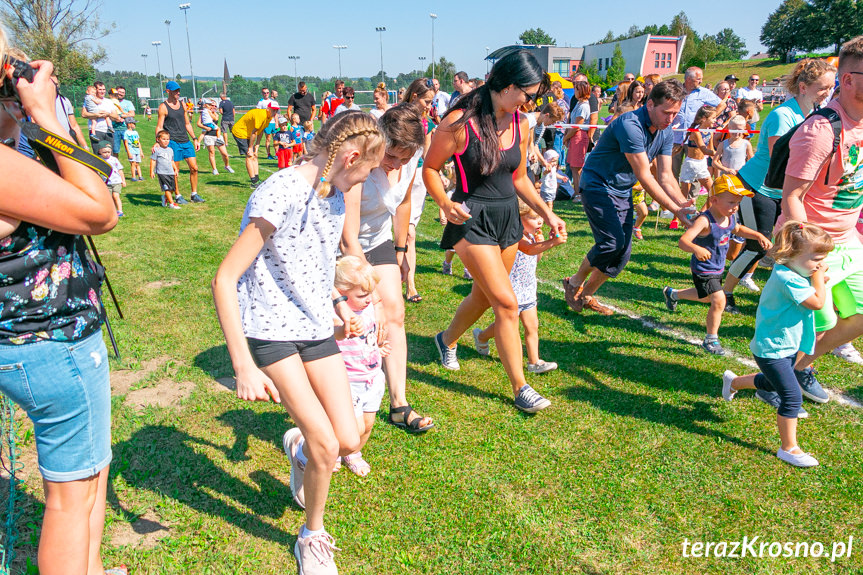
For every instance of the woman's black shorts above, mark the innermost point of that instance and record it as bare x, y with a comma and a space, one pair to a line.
382, 254
491, 223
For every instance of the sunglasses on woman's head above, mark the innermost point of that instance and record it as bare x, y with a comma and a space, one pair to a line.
429, 84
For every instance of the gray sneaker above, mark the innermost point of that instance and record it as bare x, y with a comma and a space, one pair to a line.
446, 268
670, 302
466, 275
810, 387
180, 199
529, 401
541, 367
197, 199
713, 347
447, 354
314, 554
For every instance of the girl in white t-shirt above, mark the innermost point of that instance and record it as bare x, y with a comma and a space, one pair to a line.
273, 296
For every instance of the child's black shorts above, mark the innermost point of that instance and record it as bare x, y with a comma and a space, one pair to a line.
706, 284
167, 183
267, 352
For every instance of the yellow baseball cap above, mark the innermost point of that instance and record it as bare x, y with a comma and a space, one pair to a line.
730, 184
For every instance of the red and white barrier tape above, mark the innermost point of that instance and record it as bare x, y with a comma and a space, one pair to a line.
702, 130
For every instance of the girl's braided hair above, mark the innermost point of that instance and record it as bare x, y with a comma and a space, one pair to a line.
359, 128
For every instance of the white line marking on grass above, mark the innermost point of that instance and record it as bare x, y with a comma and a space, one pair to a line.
649, 324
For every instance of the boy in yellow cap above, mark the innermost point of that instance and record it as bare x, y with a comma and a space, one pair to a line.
707, 241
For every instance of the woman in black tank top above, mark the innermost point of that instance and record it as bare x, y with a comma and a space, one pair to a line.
489, 140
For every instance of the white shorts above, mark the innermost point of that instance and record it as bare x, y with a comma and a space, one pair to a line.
418, 199
367, 395
693, 170
547, 194
208, 141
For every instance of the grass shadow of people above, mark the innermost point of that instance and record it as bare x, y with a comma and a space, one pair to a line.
173, 463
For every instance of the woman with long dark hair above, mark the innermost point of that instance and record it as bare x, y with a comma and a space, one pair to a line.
489, 140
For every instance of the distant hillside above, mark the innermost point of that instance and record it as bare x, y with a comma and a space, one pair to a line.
766, 70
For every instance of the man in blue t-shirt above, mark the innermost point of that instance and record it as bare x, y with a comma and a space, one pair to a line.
621, 158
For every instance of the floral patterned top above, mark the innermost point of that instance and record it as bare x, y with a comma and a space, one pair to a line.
49, 287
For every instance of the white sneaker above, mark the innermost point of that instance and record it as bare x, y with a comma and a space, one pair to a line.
848, 353
801, 459
666, 215
290, 441
541, 366
481, 348
229, 169
749, 283
173, 206
314, 554
727, 393
215, 172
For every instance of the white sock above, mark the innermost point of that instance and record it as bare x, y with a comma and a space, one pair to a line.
301, 457
306, 532
673, 294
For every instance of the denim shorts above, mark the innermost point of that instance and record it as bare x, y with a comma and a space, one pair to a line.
65, 390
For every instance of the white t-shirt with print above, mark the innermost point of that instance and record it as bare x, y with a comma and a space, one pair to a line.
116, 176
285, 295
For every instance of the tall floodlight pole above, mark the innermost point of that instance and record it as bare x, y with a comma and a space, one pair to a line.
296, 79
433, 18
146, 75
185, 8
171, 50
486, 60
158, 43
422, 60
380, 30
340, 47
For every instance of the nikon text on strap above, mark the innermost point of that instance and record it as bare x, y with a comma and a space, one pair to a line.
45, 140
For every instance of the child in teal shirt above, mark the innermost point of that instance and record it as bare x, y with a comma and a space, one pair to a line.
784, 326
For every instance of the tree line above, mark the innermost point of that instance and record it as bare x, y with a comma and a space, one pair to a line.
808, 25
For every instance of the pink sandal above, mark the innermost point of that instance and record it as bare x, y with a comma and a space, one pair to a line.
356, 464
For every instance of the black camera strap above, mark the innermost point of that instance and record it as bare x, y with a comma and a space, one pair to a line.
45, 140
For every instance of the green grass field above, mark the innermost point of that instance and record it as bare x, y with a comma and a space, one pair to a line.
637, 454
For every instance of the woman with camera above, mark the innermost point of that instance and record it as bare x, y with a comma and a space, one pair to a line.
53, 361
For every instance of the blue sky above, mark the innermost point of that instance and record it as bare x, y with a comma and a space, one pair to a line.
256, 36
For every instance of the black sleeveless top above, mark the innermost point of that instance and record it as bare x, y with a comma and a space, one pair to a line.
175, 123
471, 183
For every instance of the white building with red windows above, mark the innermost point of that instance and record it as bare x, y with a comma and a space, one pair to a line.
645, 54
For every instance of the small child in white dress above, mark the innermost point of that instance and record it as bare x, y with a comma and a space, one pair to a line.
356, 281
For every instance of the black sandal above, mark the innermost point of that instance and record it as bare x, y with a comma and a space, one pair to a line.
412, 425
